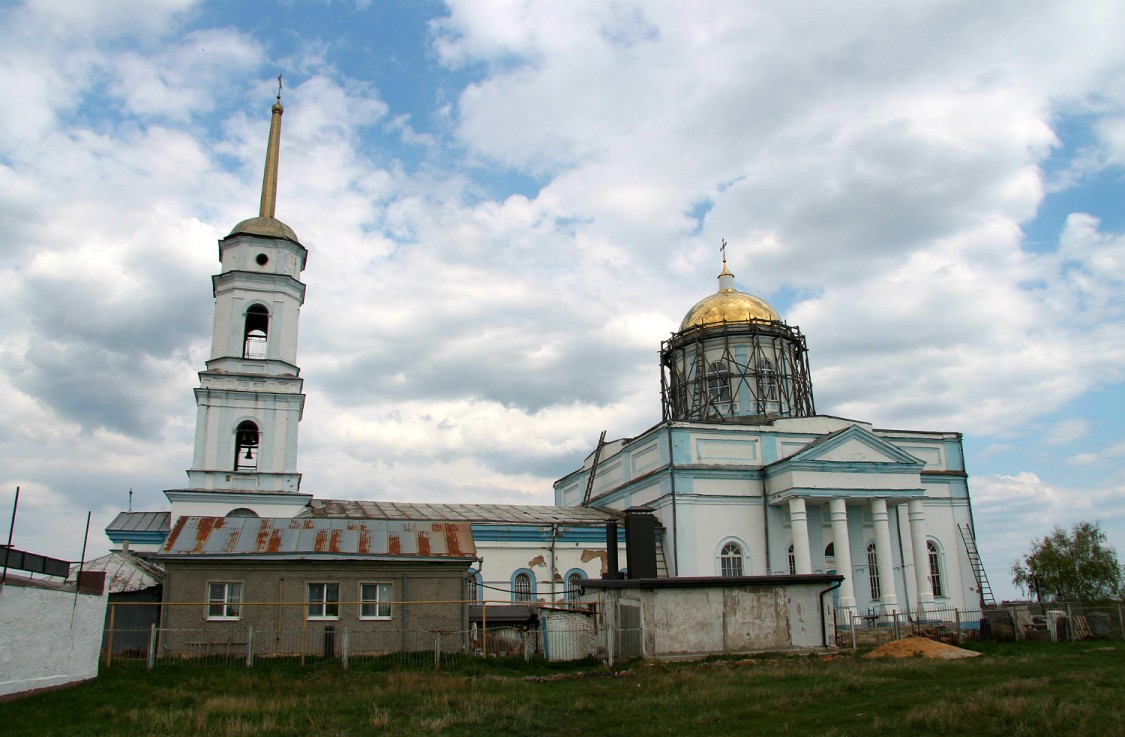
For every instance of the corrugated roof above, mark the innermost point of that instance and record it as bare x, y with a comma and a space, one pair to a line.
307, 537
483, 514
140, 522
124, 573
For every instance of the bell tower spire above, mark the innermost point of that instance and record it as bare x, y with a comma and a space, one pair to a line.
269, 178
250, 401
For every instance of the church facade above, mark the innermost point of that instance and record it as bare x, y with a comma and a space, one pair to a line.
747, 479
743, 476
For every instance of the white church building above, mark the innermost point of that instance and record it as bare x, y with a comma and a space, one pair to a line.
743, 476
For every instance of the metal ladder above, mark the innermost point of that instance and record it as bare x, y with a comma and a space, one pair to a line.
986, 597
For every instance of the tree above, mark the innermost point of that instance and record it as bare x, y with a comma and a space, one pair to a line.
1077, 565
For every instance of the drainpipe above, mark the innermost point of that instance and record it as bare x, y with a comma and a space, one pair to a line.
823, 619
554, 568
902, 558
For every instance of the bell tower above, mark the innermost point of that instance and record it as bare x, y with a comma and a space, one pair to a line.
250, 401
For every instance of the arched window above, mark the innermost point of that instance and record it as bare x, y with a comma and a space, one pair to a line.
792, 561
718, 386
730, 560
473, 590
254, 337
767, 384
242, 512
873, 572
246, 446
935, 568
829, 554
523, 587
575, 580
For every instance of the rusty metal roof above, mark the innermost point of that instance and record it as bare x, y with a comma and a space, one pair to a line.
124, 573
324, 539
478, 514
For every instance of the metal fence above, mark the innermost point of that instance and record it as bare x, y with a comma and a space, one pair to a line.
553, 635
1053, 622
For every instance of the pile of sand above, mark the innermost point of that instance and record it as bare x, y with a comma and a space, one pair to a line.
915, 647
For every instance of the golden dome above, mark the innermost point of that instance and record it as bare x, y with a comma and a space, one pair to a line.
728, 305
269, 227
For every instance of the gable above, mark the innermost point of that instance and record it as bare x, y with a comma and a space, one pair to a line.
852, 445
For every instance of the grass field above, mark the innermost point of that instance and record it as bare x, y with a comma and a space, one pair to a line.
1017, 689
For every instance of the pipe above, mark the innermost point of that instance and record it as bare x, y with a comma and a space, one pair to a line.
611, 562
823, 619
11, 529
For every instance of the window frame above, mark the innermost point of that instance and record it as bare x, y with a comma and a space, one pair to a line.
226, 603
324, 602
379, 602
520, 596
732, 559
791, 555
570, 593
937, 580
874, 585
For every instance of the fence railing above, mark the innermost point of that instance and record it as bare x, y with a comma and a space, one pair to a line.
1053, 622
246, 639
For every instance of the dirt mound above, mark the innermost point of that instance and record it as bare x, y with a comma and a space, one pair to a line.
920, 647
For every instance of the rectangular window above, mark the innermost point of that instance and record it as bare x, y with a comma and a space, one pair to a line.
223, 599
375, 600
324, 601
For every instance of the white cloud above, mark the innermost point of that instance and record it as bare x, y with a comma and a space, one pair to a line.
1067, 431
460, 344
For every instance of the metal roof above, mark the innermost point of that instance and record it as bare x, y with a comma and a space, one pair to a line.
478, 514
124, 573
140, 522
306, 537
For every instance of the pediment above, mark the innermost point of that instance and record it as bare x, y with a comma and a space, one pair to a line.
851, 445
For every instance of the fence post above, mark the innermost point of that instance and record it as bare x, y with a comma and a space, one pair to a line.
1016, 634
855, 644
1069, 624
109, 649
152, 647
344, 645
957, 619
1121, 621
250, 646
437, 651
894, 619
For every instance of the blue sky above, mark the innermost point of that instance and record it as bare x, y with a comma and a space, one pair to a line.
509, 204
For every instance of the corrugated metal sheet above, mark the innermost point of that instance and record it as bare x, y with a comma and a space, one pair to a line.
124, 573
140, 522
324, 538
498, 514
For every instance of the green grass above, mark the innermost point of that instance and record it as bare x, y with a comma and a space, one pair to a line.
1018, 689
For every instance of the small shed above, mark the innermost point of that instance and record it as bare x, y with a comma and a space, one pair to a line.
135, 587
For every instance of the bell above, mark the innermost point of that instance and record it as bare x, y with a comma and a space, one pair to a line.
248, 456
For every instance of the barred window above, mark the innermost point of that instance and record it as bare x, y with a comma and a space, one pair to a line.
792, 561
523, 588
574, 583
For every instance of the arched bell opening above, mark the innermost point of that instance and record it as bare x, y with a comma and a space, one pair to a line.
255, 336
246, 442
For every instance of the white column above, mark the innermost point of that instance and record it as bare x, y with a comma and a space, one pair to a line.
843, 547
798, 520
883, 554
924, 583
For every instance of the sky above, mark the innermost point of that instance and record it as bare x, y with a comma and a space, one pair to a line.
508, 205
